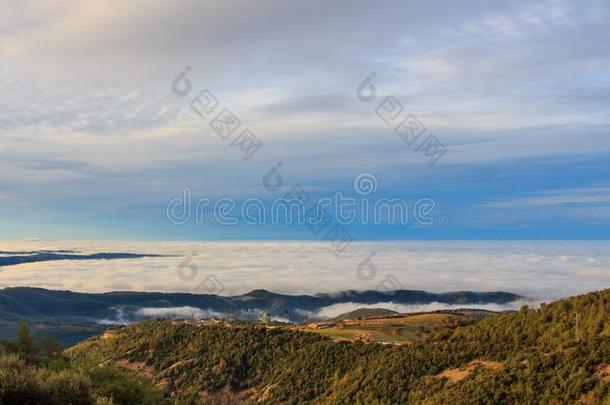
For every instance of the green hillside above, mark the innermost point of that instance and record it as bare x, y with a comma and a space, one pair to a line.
35, 370
559, 353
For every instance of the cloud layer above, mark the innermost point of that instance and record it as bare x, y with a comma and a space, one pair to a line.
538, 270
335, 310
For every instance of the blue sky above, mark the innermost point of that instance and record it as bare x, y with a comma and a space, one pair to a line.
95, 143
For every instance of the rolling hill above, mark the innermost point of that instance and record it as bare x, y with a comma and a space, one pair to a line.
558, 353
55, 311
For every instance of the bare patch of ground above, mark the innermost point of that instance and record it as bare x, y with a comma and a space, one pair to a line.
109, 334
138, 366
604, 372
458, 374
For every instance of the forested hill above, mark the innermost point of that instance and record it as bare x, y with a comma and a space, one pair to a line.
559, 353
37, 304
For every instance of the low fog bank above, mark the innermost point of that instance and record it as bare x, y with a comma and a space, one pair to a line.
124, 316
335, 310
536, 269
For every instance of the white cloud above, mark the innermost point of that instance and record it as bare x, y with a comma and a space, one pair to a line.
502, 24
335, 310
177, 312
536, 269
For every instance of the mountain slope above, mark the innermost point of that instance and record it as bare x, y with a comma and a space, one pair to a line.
559, 353
38, 304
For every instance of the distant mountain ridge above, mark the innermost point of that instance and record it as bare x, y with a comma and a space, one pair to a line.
37, 304
45, 256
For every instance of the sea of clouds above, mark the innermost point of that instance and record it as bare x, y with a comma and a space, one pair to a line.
536, 269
